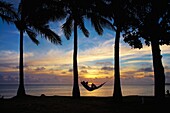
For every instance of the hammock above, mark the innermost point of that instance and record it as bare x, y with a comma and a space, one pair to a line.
93, 86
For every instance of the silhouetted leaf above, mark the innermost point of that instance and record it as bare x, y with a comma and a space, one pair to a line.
67, 27
32, 36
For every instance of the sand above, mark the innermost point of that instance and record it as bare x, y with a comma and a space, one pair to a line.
64, 104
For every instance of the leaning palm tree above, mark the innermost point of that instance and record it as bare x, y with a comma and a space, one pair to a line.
33, 22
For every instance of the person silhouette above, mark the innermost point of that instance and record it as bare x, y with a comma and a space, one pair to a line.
93, 86
86, 83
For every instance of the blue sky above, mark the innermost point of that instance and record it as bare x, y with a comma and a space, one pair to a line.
49, 63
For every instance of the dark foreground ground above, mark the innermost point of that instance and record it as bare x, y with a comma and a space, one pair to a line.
58, 104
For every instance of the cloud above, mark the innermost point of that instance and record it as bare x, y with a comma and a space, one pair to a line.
40, 68
104, 63
83, 71
9, 77
147, 69
9, 60
70, 70
12, 56
107, 68
102, 51
61, 56
94, 62
13, 78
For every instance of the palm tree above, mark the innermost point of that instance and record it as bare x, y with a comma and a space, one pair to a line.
6, 11
27, 21
77, 12
119, 14
74, 19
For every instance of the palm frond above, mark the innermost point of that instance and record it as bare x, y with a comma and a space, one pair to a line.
106, 23
5, 18
32, 36
67, 27
96, 24
49, 34
7, 12
82, 27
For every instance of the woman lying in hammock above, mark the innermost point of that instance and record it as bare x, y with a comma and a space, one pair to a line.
92, 87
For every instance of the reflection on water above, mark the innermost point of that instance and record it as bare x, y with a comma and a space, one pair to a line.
66, 90
103, 91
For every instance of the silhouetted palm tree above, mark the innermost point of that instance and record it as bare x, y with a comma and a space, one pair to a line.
77, 11
6, 11
32, 21
118, 11
74, 19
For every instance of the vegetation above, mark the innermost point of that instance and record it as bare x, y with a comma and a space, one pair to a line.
26, 21
6, 11
153, 26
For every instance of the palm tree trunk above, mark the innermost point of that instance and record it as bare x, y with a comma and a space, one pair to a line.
21, 89
117, 95
159, 75
76, 91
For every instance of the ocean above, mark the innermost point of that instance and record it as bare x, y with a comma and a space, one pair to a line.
10, 90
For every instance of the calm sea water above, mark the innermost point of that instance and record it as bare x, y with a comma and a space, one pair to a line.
10, 90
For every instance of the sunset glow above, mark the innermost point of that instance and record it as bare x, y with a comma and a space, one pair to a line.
47, 61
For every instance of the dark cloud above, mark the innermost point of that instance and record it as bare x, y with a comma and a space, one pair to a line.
148, 69
63, 72
52, 69
64, 65
82, 67
40, 69
70, 70
13, 78
107, 68
103, 72
9, 77
130, 72
84, 71
85, 67
166, 67
8, 65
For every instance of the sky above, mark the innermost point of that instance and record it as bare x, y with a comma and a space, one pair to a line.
52, 64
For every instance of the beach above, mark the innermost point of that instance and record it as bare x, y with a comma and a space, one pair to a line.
68, 104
